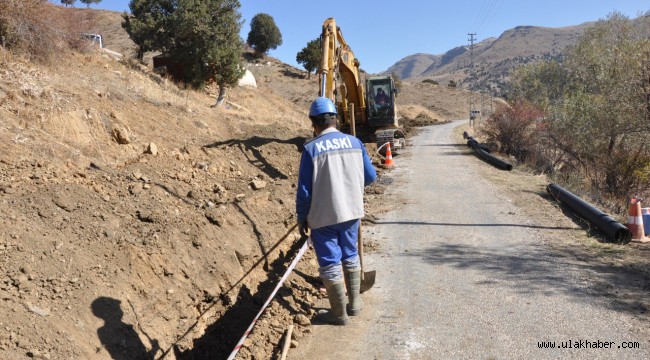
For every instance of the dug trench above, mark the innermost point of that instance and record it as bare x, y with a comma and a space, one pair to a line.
172, 256
294, 304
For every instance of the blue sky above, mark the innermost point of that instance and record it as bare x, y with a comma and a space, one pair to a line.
382, 32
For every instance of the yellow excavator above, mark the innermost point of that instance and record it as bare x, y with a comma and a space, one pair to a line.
367, 112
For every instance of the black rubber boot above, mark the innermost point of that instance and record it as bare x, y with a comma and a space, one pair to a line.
337, 314
353, 284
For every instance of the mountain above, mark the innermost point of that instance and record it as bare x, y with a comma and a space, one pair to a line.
492, 58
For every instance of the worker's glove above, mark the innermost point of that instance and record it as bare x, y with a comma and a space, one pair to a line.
303, 227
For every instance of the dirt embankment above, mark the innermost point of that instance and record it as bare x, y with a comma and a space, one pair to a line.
134, 218
133, 215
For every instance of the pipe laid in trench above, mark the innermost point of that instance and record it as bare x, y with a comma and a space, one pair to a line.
483, 154
614, 230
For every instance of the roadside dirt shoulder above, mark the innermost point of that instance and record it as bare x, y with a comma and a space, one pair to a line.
620, 273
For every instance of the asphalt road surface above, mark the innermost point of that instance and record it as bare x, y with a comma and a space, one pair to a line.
462, 275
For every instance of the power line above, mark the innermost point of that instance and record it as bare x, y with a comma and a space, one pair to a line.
496, 5
479, 15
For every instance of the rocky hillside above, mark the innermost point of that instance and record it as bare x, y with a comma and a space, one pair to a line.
493, 57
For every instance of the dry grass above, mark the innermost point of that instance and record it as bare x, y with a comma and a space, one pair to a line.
40, 30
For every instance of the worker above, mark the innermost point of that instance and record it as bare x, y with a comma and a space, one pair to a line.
381, 99
334, 169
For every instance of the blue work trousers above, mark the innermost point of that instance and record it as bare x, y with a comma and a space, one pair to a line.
336, 244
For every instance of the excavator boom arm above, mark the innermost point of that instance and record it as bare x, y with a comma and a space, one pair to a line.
337, 57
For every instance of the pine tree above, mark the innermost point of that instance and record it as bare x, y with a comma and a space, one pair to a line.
68, 2
205, 40
200, 36
146, 23
88, 2
264, 34
310, 56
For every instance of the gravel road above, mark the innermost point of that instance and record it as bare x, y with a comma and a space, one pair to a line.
461, 274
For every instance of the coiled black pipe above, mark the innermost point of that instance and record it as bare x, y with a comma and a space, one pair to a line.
484, 153
615, 231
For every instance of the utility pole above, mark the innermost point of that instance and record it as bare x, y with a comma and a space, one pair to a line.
471, 67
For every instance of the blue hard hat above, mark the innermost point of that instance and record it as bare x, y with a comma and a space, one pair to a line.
322, 105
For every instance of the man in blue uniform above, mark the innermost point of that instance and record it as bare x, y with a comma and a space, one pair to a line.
334, 169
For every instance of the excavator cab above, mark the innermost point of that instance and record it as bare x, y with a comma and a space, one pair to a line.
381, 101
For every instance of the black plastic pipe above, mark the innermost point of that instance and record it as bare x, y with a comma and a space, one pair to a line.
614, 230
472, 143
485, 155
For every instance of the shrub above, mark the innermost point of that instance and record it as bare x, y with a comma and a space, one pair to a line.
429, 81
597, 106
514, 128
39, 29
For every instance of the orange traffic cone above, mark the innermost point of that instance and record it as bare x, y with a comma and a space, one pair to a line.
635, 221
389, 157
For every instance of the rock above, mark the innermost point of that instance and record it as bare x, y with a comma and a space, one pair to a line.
240, 197
34, 353
258, 184
121, 135
20, 281
62, 200
152, 149
146, 216
294, 344
301, 319
26, 269
277, 329
260, 354
135, 188
38, 311
214, 216
212, 169
203, 166
219, 189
